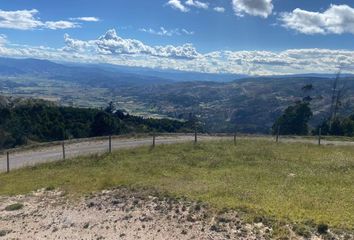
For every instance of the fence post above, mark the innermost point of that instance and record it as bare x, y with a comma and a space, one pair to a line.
195, 135
319, 136
235, 135
63, 147
7, 162
278, 132
110, 144
153, 139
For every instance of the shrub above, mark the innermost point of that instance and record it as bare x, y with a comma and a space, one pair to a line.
14, 207
322, 228
50, 188
302, 230
3, 233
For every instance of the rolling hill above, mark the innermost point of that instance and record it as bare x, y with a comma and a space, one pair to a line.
250, 104
83, 74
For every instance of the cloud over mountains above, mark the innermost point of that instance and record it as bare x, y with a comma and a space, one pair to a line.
113, 49
112, 44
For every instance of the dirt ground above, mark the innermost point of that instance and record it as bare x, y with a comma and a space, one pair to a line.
121, 214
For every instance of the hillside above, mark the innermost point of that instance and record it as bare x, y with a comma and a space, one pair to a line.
250, 104
38, 121
84, 74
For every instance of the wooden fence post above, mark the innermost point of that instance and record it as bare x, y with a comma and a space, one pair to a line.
110, 144
195, 135
319, 136
278, 132
235, 135
7, 162
63, 147
153, 139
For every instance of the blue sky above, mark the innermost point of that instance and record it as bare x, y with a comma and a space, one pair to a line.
257, 37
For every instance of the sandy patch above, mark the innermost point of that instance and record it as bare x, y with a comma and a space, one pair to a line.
120, 214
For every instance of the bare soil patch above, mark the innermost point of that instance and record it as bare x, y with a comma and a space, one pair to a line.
122, 214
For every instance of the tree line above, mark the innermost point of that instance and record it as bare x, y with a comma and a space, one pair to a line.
41, 123
295, 118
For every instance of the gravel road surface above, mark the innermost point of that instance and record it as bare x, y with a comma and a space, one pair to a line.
30, 157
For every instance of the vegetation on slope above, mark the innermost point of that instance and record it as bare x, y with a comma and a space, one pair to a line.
251, 105
290, 182
42, 122
340, 126
294, 120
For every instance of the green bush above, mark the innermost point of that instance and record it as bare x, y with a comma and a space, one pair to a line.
302, 230
322, 228
3, 233
14, 207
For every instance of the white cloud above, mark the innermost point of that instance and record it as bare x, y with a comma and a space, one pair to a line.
110, 48
177, 4
111, 44
76, 45
22, 19
261, 8
187, 32
161, 32
86, 19
186, 51
164, 32
197, 4
183, 7
3, 39
219, 9
337, 19
60, 25
27, 20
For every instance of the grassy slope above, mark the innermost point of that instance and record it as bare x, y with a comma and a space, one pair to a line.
288, 181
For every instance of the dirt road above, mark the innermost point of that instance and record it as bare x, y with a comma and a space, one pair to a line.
29, 157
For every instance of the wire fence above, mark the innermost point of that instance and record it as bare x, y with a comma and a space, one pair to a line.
47, 152
54, 151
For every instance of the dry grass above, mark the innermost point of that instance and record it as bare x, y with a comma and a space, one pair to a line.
292, 182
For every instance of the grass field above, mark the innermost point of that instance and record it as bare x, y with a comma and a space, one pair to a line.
289, 182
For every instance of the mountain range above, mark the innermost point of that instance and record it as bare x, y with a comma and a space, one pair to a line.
222, 102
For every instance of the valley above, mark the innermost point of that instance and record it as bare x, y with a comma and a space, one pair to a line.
251, 104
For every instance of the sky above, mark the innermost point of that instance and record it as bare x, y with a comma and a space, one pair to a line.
255, 37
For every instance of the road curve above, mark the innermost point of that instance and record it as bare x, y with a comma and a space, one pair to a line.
30, 157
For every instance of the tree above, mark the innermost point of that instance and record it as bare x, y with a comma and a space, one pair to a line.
42, 122
104, 124
307, 89
110, 108
338, 126
294, 120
